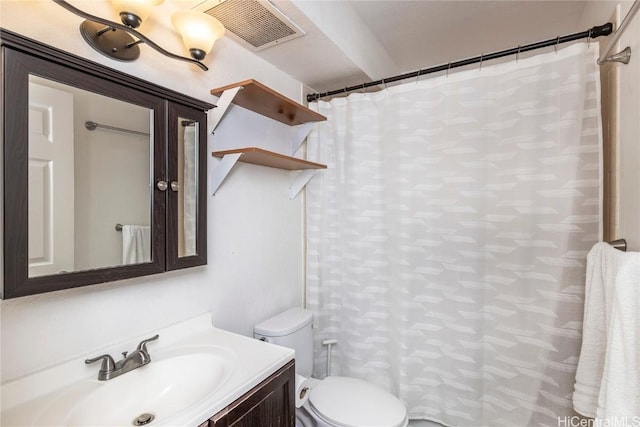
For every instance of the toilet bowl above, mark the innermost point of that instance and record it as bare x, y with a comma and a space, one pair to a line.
350, 402
334, 401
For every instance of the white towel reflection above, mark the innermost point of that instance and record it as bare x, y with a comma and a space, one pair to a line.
136, 244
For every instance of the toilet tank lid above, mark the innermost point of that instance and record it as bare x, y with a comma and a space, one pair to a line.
284, 323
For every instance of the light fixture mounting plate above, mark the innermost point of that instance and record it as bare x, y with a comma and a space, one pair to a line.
114, 43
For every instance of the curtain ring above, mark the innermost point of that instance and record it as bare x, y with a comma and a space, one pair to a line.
518, 54
364, 88
385, 84
555, 47
448, 68
589, 38
418, 75
481, 58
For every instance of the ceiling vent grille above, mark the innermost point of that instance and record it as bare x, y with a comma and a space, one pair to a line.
257, 23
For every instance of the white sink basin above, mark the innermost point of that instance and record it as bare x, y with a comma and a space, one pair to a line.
171, 383
196, 371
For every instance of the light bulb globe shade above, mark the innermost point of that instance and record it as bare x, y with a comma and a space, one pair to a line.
198, 30
139, 8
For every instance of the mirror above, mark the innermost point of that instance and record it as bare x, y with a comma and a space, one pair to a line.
90, 181
187, 195
94, 190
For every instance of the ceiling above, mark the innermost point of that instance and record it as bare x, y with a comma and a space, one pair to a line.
350, 42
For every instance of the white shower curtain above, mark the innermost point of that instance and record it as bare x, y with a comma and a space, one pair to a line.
447, 239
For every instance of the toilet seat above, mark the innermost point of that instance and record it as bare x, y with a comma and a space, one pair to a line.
349, 402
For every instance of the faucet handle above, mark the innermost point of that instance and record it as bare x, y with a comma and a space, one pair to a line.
143, 344
108, 364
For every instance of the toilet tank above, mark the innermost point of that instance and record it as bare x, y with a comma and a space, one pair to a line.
292, 329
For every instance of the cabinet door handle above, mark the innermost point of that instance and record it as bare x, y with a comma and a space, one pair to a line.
175, 186
162, 185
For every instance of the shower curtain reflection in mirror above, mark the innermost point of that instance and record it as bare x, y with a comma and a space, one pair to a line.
187, 169
447, 240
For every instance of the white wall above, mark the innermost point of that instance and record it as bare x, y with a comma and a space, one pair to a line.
111, 177
596, 13
629, 150
255, 231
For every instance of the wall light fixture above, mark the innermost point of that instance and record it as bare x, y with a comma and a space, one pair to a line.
199, 31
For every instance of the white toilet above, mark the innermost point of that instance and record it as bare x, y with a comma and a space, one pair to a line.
334, 401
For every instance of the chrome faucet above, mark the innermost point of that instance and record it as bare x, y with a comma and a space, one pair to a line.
110, 369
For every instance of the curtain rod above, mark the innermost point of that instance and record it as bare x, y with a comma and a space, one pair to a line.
616, 36
597, 31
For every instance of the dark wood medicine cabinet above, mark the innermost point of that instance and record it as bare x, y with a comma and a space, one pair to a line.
67, 189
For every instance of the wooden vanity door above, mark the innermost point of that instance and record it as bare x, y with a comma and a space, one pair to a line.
269, 404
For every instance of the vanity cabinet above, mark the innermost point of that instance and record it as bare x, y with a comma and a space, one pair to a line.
269, 404
104, 173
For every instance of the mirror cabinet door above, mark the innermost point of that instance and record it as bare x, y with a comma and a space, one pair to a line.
186, 217
84, 156
82, 215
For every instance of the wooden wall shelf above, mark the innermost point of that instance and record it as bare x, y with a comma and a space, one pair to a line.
263, 100
258, 156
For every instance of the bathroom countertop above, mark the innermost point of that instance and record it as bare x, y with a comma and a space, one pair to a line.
25, 401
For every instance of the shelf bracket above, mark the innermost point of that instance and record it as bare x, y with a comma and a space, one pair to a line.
300, 134
223, 106
222, 170
299, 182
